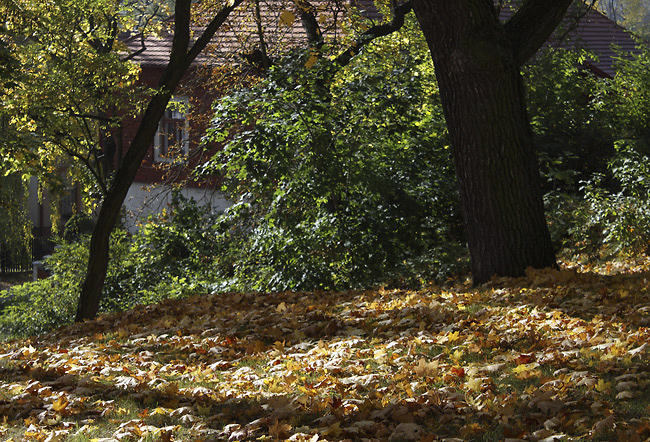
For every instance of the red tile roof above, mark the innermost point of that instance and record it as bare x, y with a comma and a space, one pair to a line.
239, 34
594, 32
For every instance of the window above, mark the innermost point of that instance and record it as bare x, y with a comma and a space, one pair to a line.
172, 139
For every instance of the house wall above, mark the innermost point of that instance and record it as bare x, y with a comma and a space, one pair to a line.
150, 192
146, 199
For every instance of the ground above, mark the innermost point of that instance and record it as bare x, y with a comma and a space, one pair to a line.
7, 280
554, 356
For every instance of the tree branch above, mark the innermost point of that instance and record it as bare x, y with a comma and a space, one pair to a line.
210, 30
532, 25
375, 32
309, 23
181, 41
266, 62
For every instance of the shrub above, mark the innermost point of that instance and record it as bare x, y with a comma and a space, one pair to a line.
341, 180
614, 223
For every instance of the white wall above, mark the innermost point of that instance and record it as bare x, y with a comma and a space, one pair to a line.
145, 199
39, 214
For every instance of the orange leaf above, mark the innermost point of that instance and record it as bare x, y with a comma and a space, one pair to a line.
458, 371
60, 403
525, 358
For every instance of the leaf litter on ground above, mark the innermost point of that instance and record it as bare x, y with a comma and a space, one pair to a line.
556, 355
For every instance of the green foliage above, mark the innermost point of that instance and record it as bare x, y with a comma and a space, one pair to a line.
15, 225
341, 179
613, 223
42, 305
173, 255
572, 133
593, 140
67, 90
37, 307
629, 109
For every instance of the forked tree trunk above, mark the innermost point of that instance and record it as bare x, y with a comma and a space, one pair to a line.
477, 67
180, 59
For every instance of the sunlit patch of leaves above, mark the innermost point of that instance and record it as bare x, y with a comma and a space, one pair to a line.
555, 355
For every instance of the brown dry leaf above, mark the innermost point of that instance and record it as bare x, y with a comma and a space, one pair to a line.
624, 395
407, 431
425, 368
279, 429
604, 425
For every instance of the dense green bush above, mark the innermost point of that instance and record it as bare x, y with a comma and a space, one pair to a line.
594, 144
172, 255
342, 179
614, 223
572, 134
42, 305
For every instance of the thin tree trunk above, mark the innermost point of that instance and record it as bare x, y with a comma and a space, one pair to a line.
484, 103
180, 60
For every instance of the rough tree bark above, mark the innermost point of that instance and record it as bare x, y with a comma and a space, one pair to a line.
181, 57
477, 61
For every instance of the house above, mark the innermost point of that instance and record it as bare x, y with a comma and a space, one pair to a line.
586, 28
175, 150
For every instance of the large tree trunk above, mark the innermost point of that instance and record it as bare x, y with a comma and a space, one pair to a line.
477, 67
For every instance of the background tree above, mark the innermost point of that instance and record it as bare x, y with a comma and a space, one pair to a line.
15, 229
632, 14
70, 101
65, 111
183, 52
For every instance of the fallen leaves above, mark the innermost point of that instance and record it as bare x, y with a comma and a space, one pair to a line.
557, 355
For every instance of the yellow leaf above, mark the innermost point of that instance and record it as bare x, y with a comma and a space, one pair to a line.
425, 368
60, 403
287, 18
279, 430
474, 384
603, 386
521, 368
453, 336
